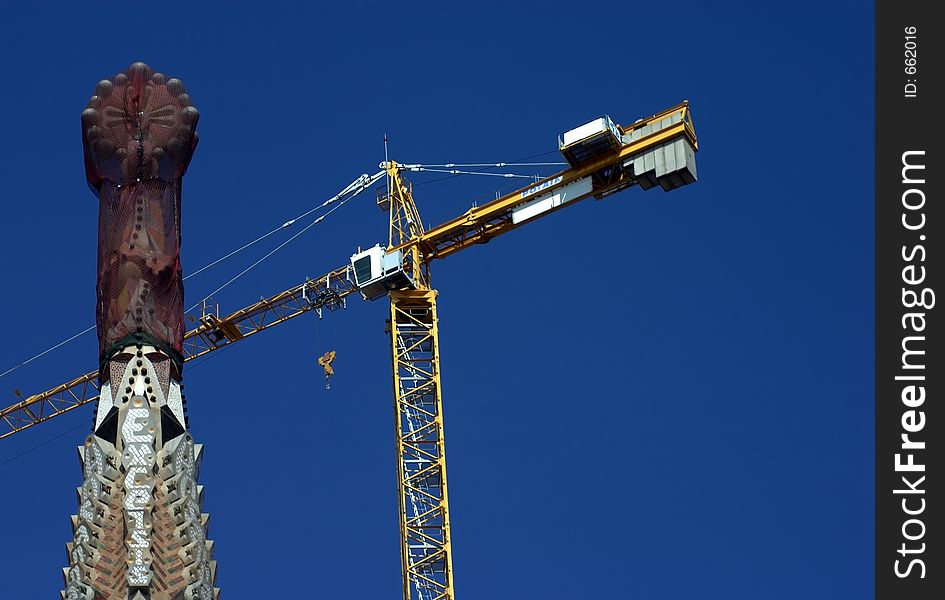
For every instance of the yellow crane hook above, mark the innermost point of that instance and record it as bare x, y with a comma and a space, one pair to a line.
325, 361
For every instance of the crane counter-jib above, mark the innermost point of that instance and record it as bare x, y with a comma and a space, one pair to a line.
656, 150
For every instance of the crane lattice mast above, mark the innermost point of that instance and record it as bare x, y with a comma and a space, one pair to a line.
426, 558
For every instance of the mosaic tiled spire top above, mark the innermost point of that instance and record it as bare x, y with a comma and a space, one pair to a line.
139, 533
138, 137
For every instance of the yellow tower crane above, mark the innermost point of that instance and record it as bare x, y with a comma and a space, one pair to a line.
604, 158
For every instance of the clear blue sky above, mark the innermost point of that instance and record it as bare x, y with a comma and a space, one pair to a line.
653, 396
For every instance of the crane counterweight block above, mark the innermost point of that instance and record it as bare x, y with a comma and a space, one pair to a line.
670, 163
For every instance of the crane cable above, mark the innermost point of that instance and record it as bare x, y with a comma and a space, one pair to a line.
362, 184
354, 188
498, 164
358, 184
518, 161
429, 169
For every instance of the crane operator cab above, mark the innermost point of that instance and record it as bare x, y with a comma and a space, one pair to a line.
376, 272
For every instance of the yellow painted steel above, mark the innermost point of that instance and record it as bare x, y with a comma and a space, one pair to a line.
482, 223
405, 224
418, 407
426, 556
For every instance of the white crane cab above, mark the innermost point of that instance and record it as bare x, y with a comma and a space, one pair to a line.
376, 272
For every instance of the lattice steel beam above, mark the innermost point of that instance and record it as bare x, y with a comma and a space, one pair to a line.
421, 461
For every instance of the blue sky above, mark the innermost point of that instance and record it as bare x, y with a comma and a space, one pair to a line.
652, 396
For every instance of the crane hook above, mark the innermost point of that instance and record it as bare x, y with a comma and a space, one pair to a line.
325, 361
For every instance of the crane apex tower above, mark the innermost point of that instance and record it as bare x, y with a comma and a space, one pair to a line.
139, 533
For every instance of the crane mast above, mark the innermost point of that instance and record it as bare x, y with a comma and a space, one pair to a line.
426, 558
604, 159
